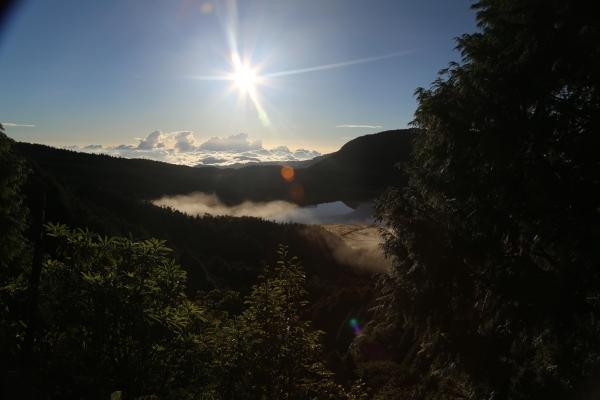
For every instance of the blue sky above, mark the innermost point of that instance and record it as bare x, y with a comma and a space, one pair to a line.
111, 72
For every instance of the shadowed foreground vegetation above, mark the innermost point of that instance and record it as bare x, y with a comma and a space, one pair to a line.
113, 317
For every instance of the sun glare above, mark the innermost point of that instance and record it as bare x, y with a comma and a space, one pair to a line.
244, 78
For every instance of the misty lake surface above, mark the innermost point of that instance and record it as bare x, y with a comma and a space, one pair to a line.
327, 213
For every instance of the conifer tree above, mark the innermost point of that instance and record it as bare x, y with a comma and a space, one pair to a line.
495, 238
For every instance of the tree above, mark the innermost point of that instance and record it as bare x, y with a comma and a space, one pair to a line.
269, 352
14, 258
114, 317
13, 214
494, 239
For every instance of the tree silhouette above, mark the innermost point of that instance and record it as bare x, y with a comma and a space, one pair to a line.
495, 261
13, 172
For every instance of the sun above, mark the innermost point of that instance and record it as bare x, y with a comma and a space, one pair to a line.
245, 78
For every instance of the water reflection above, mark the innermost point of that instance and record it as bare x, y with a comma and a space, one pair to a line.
329, 213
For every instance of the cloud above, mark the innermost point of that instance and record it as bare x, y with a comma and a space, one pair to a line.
304, 154
239, 143
359, 126
199, 203
181, 148
246, 158
184, 141
11, 124
152, 141
212, 160
282, 150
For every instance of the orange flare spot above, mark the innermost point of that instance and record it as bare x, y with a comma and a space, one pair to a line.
287, 173
297, 191
206, 8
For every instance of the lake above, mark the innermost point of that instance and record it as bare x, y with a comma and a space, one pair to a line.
327, 213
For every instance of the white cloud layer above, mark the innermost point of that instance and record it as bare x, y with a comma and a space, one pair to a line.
181, 148
152, 141
237, 142
359, 126
184, 141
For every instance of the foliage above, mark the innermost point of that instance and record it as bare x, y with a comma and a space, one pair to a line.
495, 239
268, 352
13, 215
14, 256
115, 322
114, 317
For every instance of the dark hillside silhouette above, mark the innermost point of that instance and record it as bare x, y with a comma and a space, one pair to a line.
375, 153
362, 168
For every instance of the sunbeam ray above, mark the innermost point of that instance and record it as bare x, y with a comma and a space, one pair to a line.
338, 65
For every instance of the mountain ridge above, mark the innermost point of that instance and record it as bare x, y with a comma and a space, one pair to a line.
361, 169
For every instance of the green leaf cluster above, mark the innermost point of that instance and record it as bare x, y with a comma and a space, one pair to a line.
269, 352
114, 315
115, 322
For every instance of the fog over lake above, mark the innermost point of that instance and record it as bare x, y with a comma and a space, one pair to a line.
199, 203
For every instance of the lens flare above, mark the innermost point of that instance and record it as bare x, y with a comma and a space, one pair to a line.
354, 324
287, 173
297, 191
206, 8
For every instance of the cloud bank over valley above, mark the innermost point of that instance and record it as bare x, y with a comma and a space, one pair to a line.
181, 148
202, 203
